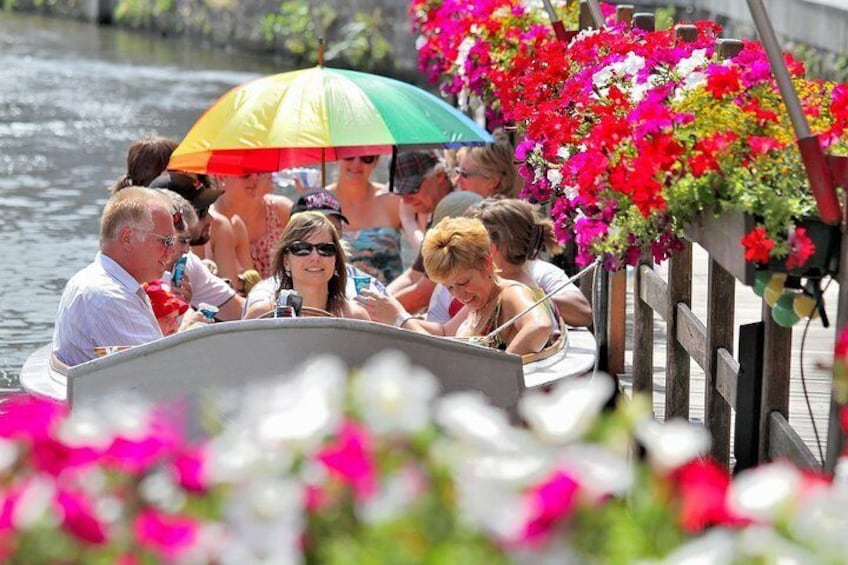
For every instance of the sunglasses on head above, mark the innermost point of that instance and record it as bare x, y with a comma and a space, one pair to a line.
304, 248
367, 159
179, 222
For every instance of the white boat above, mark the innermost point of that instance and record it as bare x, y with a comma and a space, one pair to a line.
230, 354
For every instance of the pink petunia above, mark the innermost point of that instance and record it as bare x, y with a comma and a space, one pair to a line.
167, 535
350, 458
550, 502
79, 518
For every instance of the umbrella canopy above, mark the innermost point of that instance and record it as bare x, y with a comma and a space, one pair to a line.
316, 115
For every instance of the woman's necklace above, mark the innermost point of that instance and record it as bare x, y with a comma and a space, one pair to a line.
479, 320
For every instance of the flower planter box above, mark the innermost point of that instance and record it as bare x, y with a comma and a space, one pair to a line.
721, 237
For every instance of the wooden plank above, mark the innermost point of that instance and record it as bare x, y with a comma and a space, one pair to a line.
749, 396
727, 375
600, 299
721, 293
777, 357
691, 334
643, 332
653, 290
677, 359
616, 328
784, 442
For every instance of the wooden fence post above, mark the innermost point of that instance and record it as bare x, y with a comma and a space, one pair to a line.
777, 352
643, 334
616, 329
748, 390
720, 319
677, 358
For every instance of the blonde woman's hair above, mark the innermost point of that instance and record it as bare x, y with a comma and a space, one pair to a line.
455, 244
516, 228
497, 160
131, 206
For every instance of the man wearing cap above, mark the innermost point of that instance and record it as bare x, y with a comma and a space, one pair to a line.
326, 203
422, 181
206, 287
104, 303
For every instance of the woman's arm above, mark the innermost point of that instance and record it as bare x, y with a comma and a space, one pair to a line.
388, 310
355, 311
223, 247
532, 330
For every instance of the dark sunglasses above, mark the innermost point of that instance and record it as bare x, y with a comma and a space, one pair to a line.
367, 159
304, 248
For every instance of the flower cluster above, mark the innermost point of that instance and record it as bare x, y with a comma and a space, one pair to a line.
378, 467
632, 134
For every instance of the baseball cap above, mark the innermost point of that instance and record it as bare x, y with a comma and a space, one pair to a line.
193, 188
410, 168
319, 200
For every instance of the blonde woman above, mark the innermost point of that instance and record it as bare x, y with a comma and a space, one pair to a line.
457, 254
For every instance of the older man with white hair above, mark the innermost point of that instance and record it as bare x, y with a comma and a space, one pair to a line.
104, 304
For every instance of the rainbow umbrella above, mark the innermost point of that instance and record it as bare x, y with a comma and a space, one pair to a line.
317, 115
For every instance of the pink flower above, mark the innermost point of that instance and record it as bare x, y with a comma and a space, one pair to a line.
166, 535
702, 488
54, 457
550, 501
79, 518
28, 417
350, 459
189, 469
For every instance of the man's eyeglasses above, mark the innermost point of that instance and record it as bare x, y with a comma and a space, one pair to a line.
184, 240
167, 240
304, 249
367, 159
470, 174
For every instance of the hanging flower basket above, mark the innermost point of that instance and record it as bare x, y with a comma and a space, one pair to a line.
721, 236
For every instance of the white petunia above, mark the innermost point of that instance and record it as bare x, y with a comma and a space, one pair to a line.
822, 522
567, 412
764, 493
599, 471
673, 443
716, 547
393, 396
765, 545
468, 417
554, 177
34, 507
697, 60
85, 427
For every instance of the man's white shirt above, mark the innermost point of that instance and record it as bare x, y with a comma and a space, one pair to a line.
101, 305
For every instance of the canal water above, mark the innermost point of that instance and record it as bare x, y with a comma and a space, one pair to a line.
73, 96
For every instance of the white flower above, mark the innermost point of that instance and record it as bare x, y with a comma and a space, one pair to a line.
554, 177
300, 412
469, 417
396, 494
697, 60
599, 471
266, 518
85, 427
765, 492
568, 411
462, 54
392, 395
765, 545
564, 152
822, 521
8, 454
716, 547
160, 490
487, 506
673, 443
34, 506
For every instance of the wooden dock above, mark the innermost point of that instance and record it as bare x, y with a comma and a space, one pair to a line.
816, 353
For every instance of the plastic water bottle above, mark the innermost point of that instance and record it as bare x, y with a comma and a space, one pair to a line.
285, 308
179, 270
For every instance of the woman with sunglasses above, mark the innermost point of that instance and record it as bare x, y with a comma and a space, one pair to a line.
488, 170
309, 259
374, 231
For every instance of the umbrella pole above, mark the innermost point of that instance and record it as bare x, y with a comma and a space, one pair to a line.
323, 168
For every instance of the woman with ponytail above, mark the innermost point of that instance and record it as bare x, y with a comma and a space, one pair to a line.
519, 235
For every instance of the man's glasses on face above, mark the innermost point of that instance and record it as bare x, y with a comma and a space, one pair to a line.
367, 159
167, 240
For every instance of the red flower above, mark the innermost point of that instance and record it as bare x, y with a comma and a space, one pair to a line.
760, 145
801, 248
757, 245
702, 487
722, 80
